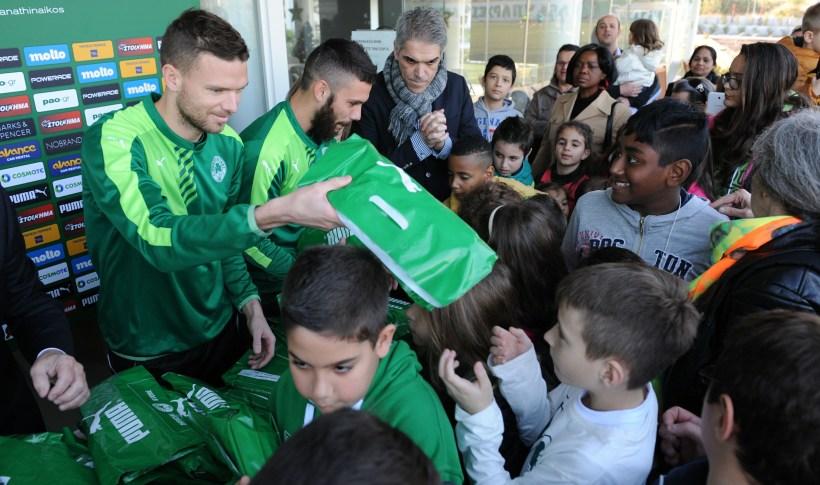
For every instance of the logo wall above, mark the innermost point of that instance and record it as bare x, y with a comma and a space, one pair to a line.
49, 95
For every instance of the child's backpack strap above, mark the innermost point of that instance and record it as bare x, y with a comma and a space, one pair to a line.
608, 137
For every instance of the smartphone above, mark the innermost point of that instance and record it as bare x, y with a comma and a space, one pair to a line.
715, 103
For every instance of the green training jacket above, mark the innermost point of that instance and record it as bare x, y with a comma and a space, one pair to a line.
277, 155
400, 397
164, 232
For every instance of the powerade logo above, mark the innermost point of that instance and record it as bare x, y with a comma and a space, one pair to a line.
70, 186
53, 274
82, 264
70, 207
65, 165
74, 227
47, 78
63, 143
69, 120
10, 58
11, 82
35, 215
17, 152
12, 130
52, 100
47, 255
143, 87
92, 73
46, 54
87, 282
32, 194
100, 94
93, 114
23, 174
14, 105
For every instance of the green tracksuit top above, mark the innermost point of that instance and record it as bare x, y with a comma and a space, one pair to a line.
164, 232
277, 155
400, 397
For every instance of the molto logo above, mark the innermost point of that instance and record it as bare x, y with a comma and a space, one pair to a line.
76, 246
53, 274
65, 165
14, 106
139, 46
70, 186
93, 73
138, 67
47, 78
42, 235
70, 120
11, 82
10, 58
142, 87
90, 51
74, 227
47, 255
63, 143
100, 94
12, 130
17, 152
93, 114
87, 282
36, 215
23, 174
70, 206
46, 54
82, 264
67, 98
37, 193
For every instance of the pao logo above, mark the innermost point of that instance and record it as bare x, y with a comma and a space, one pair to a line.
52, 100
218, 169
11, 82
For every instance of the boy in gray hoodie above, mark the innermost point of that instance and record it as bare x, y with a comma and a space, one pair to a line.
494, 107
646, 209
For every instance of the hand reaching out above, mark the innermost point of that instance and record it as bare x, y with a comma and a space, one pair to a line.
473, 397
736, 204
680, 435
507, 345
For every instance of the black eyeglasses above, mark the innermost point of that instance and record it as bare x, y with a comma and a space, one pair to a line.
731, 81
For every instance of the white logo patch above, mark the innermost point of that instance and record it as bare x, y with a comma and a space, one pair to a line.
218, 169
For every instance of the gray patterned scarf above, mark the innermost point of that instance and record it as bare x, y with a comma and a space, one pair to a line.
410, 106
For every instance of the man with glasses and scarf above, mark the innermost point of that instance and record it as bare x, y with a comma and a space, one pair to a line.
417, 108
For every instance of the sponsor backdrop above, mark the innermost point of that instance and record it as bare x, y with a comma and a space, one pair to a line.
63, 65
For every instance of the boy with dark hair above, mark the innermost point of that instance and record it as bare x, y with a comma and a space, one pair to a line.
646, 209
470, 166
512, 143
281, 145
761, 412
343, 355
599, 425
348, 447
494, 106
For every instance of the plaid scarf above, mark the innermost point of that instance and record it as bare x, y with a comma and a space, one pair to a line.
410, 106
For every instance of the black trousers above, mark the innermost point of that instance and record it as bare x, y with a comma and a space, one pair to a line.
206, 362
19, 413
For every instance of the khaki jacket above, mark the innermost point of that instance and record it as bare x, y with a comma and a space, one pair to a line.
595, 115
806, 61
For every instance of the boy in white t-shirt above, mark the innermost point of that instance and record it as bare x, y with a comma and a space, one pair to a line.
619, 325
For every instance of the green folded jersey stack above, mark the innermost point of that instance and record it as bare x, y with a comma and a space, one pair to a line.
434, 255
45, 458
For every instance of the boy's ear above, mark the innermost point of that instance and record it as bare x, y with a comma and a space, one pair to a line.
678, 171
727, 424
384, 340
489, 172
614, 373
587, 153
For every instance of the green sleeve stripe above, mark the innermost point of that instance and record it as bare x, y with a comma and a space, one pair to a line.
258, 257
116, 142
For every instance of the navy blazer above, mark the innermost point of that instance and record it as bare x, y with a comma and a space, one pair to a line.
431, 172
